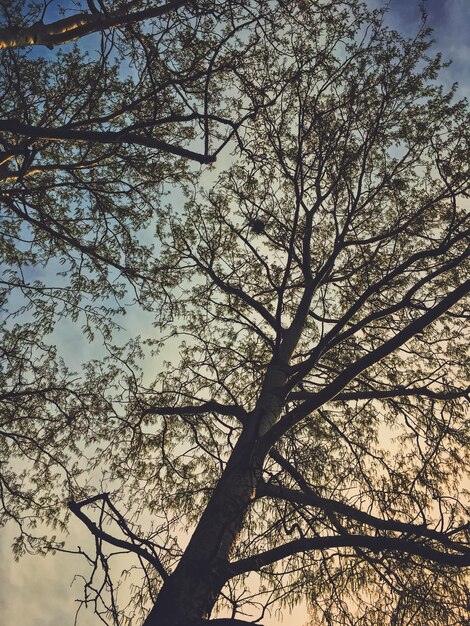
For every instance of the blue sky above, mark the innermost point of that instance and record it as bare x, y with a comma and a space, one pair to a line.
450, 21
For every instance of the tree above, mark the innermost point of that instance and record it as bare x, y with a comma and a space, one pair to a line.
311, 441
90, 144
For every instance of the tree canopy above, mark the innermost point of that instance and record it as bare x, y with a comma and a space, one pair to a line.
283, 189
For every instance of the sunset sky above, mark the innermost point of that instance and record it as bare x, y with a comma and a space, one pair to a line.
38, 592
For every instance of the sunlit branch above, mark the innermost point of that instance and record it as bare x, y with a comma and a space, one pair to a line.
78, 25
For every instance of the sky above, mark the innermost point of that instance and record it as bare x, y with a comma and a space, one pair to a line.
39, 591
450, 21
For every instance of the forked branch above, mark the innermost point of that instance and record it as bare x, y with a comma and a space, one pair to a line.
310, 498
99, 533
336, 386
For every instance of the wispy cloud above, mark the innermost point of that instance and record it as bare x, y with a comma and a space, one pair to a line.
450, 21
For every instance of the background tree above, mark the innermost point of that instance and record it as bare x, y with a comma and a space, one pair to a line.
311, 440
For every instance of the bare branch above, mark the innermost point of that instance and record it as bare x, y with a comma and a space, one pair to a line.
15, 126
230, 410
382, 394
76, 508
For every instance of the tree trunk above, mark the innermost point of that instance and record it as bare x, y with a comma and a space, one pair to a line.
189, 594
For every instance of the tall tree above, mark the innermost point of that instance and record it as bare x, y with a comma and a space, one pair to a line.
311, 440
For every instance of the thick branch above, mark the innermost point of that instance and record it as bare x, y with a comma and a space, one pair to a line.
229, 621
334, 506
381, 394
211, 406
375, 544
78, 25
63, 133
